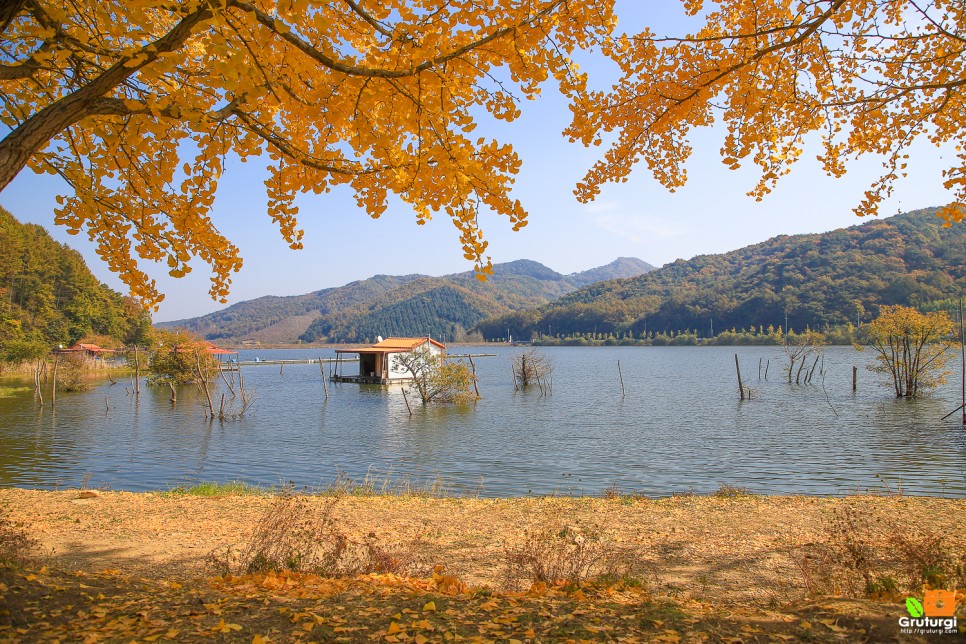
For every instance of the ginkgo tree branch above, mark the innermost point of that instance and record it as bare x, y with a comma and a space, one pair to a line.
377, 99
27, 138
804, 32
870, 75
372, 22
8, 11
285, 32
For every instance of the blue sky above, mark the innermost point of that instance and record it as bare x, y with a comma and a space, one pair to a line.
639, 218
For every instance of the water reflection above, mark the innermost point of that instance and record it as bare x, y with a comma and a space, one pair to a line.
677, 426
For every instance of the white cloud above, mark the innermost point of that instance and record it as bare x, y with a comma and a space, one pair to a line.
636, 227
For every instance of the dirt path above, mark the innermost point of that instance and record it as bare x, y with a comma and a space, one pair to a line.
739, 548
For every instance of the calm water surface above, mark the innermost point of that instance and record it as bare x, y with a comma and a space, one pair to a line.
679, 427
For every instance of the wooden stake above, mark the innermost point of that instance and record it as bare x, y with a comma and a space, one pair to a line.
767, 363
137, 372
622, 377
962, 349
325, 386
406, 398
475, 386
107, 406
855, 372
741, 389
53, 392
759, 368
40, 392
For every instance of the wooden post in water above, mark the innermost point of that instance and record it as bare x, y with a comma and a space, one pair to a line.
741, 389
37, 384
759, 368
855, 372
53, 391
962, 350
767, 364
406, 398
325, 386
623, 393
137, 372
476, 387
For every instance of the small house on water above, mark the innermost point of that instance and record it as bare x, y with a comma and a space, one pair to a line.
381, 363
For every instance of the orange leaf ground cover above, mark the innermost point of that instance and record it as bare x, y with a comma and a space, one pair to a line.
132, 567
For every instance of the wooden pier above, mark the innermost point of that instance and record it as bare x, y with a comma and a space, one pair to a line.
234, 365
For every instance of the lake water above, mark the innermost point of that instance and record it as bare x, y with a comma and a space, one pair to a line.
679, 427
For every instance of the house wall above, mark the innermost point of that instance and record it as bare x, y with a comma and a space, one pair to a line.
399, 372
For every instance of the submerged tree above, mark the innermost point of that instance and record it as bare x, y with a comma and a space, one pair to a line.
180, 358
798, 348
438, 380
532, 367
912, 348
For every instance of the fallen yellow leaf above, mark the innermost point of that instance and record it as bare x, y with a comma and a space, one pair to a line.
222, 627
430, 606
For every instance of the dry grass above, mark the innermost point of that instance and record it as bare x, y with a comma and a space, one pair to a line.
16, 546
557, 553
302, 534
862, 556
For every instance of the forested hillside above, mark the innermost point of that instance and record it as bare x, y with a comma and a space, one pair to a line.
412, 305
49, 297
815, 280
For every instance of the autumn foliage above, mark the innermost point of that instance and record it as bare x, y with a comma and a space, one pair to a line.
137, 104
864, 76
911, 347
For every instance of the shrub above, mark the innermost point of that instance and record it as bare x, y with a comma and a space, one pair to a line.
565, 554
302, 534
15, 544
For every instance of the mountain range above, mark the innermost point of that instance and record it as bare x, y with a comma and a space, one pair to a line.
799, 281
444, 307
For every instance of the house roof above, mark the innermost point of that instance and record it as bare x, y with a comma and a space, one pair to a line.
393, 345
208, 347
213, 349
92, 348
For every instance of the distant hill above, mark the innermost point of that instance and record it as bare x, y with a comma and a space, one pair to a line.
48, 296
445, 307
815, 280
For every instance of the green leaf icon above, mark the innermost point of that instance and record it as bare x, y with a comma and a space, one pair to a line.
914, 607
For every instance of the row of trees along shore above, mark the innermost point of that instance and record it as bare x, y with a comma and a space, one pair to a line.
913, 348
166, 358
